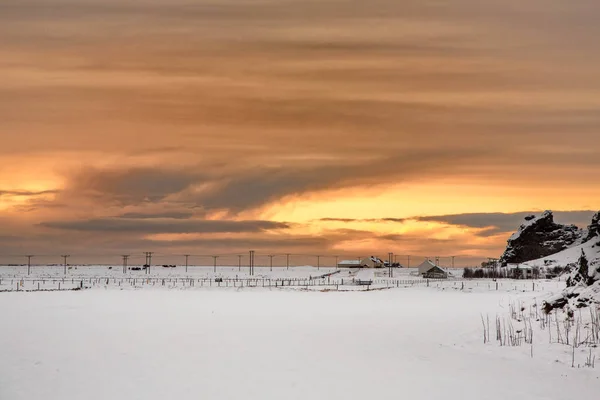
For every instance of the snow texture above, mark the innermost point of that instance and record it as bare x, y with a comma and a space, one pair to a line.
271, 344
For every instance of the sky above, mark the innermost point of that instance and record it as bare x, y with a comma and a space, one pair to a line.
334, 127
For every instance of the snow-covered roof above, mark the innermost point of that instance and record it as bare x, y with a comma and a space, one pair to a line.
426, 266
350, 262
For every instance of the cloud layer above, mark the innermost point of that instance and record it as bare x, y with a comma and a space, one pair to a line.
416, 125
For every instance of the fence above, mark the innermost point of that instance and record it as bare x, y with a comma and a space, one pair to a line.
55, 284
36, 284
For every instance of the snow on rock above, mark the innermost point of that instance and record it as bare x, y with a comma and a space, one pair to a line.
594, 228
539, 237
583, 283
542, 243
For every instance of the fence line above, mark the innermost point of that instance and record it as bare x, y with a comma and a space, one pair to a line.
63, 284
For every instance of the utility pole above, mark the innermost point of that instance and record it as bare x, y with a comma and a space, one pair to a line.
390, 258
408, 265
251, 262
29, 264
318, 262
148, 260
65, 263
215, 263
125, 258
187, 256
336, 261
271, 262
287, 261
239, 262
453, 261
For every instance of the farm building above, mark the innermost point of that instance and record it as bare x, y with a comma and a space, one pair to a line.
368, 262
436, 273
428, 269
520, 271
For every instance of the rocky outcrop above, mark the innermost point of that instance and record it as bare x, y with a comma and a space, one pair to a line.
583, 285
594, 228
539, 237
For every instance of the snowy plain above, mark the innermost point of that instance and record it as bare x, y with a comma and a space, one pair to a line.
226, 343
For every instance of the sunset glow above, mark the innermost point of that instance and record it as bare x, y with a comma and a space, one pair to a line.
327, 127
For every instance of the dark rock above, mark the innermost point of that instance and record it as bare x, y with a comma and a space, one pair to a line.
539, 237
594, 228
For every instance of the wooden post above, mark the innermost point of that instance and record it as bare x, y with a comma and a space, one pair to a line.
29, 264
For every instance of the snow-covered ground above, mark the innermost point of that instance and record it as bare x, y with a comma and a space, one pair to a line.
418, 343
198, 277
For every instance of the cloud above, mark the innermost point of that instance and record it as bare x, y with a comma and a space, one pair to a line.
26, 193
130, 185
161, 226
253, 188
236, 244
339, 220
158, 215
398, 220
239, 189
497, 223
296, 97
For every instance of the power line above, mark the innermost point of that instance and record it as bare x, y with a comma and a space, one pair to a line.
125, 258
29, 257
65, 256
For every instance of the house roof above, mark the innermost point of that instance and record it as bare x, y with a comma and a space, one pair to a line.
350, 262
362, 261
426, 266
376, 259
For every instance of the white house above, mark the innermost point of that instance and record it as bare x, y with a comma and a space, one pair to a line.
426, 266
368, 262
429, 269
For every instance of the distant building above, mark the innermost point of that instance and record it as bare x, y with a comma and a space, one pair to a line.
368, 262
428, 269
520, 271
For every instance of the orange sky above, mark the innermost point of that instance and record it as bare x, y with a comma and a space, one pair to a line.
303, 126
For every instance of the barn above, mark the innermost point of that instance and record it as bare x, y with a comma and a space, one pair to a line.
367, 262
428, 269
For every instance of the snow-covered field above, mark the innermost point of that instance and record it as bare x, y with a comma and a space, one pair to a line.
209, 343
53, 278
